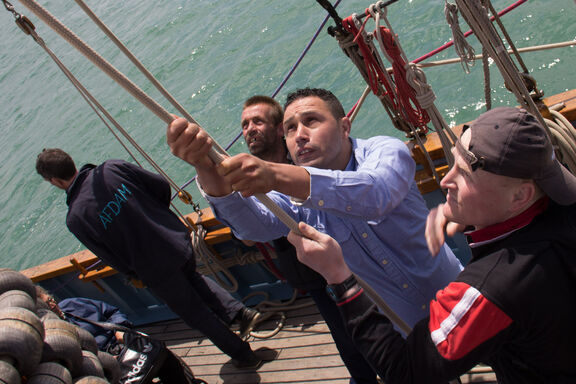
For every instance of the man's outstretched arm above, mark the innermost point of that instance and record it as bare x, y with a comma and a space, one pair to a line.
244, 173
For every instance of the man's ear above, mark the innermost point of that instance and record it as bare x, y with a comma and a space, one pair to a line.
523, 196
346, 125
280, 130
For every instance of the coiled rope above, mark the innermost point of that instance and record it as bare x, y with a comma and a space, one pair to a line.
563, 136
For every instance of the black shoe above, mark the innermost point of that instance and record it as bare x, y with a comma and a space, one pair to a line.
257, 358
247, 319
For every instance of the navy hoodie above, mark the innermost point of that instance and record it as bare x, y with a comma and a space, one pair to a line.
121, 213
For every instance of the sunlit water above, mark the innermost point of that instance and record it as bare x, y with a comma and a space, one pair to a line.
211, 55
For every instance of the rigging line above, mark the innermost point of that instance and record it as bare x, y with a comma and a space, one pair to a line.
356, 108
520, 50
99, 110
137, 63
96, 107
291, 71
466, 34
216, 156
282, 84
92, 102
476, 16
185, 196
507, 36
304, 52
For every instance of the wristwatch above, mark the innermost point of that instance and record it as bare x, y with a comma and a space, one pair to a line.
336, 291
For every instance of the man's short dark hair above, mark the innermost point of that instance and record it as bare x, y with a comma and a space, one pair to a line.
55, 163
277, 113
324, 94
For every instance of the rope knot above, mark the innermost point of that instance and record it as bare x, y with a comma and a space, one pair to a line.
417, 79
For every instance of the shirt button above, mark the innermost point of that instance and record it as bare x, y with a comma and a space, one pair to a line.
384, 261
364, 235
348, 208
321, 203
404, 285
424, 306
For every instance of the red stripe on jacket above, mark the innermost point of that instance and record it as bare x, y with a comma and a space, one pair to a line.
461, 319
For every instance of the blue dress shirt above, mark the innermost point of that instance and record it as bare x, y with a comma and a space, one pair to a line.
374, 210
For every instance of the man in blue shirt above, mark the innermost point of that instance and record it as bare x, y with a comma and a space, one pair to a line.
361, 192
263, 132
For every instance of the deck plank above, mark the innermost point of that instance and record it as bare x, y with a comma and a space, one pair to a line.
306, 353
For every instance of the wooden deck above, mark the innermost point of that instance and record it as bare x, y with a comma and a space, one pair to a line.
306, 353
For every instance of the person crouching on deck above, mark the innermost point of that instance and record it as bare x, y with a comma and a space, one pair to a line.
514, 304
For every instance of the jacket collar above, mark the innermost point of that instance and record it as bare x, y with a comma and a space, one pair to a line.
77, 182
500, 230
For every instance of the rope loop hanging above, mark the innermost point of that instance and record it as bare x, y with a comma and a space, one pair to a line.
463, 49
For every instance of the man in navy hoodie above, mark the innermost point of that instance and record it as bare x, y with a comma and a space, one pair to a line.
121, 213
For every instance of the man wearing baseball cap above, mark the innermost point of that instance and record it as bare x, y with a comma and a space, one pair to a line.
514, 305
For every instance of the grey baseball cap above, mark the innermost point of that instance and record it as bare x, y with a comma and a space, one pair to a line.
511, 142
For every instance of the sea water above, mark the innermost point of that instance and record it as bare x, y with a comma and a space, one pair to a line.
211, 55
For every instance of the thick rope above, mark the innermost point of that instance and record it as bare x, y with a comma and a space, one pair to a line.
563, 137
137, 63
563, 122
477, 19
425, 95
487, 87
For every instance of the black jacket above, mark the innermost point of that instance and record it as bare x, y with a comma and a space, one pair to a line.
296, 274
121, 213
512, 307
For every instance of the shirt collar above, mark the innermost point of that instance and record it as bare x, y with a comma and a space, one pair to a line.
352, 164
